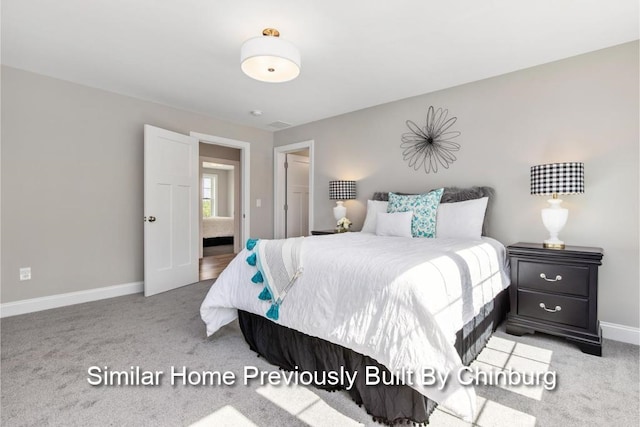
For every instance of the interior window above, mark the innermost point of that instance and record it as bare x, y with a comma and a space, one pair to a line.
209, 205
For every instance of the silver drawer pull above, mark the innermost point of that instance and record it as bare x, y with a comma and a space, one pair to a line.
550, 310
544, 276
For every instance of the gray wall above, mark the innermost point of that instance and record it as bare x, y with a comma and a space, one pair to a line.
219, 152
580, 109
72, 170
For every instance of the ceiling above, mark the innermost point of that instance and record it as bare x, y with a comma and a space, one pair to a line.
355, 54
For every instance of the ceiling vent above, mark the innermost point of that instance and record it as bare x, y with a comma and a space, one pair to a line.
279, 125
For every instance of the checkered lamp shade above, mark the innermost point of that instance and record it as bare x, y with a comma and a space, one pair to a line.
558, 178
342, 190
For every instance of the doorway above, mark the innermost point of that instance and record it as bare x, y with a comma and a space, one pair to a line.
293, 190
219, 201
172, 201
224, 196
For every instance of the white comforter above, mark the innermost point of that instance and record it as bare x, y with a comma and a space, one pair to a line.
217, 226
398, 300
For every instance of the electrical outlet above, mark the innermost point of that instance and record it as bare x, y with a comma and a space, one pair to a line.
25, 273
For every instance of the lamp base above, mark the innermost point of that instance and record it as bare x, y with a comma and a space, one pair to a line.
553, 245
554, 218
339, 211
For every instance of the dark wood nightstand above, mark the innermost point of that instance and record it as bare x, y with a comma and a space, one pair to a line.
323, 232
555, 291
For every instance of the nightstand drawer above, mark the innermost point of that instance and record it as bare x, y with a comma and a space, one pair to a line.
565, 279
554, 308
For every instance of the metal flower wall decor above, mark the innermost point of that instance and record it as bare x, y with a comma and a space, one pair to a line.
432, 145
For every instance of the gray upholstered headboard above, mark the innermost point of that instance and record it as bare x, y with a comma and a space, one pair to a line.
455, 194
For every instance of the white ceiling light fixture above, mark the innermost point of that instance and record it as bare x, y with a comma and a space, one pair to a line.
270, 58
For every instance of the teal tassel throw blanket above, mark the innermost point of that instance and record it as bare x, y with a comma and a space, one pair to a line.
274, 312
251, 243
251, 259
279, 264
265, 295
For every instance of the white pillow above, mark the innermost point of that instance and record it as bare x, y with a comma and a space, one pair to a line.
461, 219
373, 207
394, 224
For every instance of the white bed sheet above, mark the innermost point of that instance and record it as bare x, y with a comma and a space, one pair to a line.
398, 300
217, 226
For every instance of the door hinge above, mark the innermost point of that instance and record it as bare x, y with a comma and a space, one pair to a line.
286, 208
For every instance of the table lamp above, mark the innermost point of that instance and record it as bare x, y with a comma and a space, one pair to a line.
553, 179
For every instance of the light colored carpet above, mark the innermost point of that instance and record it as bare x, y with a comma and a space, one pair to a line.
45, 357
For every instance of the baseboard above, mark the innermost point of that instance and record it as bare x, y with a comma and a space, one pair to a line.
613, 331
54, 301
610, 331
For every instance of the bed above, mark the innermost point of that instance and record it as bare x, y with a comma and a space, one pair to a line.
371, 301
217, 230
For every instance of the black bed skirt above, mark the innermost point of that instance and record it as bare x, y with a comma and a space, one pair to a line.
217, 241
389, 404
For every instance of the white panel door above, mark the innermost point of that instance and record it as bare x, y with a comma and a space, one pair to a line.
171, 220
297, 196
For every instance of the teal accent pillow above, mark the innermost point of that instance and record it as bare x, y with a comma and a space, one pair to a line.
424, 207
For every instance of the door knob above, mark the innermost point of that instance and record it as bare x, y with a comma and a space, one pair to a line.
152, 219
